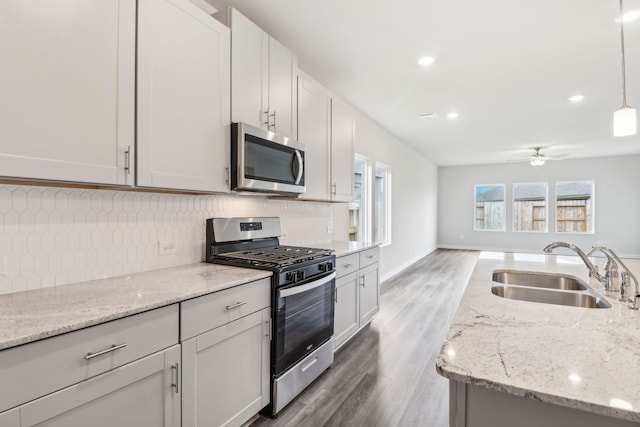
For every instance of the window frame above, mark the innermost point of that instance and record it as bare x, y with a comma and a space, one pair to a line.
364, 226
513, 208
504, 202
385, 240
592, 198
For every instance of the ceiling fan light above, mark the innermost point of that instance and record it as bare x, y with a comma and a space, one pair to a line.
624, 122
537, 161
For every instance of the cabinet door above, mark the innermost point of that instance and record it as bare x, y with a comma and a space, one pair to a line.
10, 418
183, 97
342, 151
369, 293
142, 393
67, 90
249, 71
314, 110
346, 310
282, 89
226, 373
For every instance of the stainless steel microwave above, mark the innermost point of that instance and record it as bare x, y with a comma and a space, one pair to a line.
263, 161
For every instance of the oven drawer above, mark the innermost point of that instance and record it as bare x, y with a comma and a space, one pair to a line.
347, 264
287, 386
33, 370
370, 256
207, 312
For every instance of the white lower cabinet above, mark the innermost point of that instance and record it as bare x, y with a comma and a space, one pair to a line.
226, 370
369, 293
357, 297
346, 309
141, 393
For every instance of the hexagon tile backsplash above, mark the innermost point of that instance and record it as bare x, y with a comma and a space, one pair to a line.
54, 236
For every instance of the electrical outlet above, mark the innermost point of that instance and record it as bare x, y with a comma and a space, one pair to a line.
167, 247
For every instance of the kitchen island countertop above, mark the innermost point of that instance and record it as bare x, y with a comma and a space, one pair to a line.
582, 358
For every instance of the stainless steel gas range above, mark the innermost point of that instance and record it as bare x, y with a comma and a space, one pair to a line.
302, 298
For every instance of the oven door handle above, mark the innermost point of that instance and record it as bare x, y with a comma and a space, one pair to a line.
307, 287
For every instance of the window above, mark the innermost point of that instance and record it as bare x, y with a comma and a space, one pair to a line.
359, 211
530, 207
382, 201
575, 207
489, 207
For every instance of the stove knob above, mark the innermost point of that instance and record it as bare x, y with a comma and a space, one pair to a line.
322, 267
300, 275
291, 276
329, 266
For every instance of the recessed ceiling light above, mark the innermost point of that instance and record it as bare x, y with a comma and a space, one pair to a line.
630, 16
426, 60
453, 115
428, 116
576, 98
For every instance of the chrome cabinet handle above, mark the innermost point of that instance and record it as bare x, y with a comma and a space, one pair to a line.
127, 160
274, 119
335, 296
348, 265
334, 189
266, 113
176, 368
362, 281
236, 305
114, 347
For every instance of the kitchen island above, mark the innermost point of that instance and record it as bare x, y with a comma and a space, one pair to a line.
540, 364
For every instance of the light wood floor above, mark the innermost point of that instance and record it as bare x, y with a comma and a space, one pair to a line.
386, 376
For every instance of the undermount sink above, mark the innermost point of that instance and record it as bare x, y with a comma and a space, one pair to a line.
547, 288
548, 296
539, 280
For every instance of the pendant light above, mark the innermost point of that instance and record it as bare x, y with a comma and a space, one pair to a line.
624, 120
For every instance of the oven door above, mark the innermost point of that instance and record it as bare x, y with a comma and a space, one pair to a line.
267, 162
303, 320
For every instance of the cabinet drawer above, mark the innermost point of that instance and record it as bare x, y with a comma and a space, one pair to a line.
347, 264
204, 313
33, 370
370, 256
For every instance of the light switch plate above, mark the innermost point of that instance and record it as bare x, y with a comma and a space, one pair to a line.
167, 247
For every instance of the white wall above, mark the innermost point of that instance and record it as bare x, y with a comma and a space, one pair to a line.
413, 195
617, 204
54, 236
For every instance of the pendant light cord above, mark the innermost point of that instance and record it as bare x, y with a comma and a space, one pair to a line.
624, 82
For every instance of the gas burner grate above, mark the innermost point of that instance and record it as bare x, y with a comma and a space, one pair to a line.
276, 255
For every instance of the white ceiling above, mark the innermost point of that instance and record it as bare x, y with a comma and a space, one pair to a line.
507, 67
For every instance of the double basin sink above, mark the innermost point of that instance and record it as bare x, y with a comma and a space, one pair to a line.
548, 288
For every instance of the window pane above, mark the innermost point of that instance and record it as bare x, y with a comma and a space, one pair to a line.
575, 207
382, 199
359, 208
489, 207
530, 207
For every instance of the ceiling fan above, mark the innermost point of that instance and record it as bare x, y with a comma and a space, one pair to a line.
538, 159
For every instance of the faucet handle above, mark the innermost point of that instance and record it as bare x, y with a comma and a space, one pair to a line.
634, 302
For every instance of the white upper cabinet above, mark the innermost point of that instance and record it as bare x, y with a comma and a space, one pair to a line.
263, 77
183, 97
326, 126
67, 90
342, 151
314, 128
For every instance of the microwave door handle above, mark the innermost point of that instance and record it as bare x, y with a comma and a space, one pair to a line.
307, 287
300, 167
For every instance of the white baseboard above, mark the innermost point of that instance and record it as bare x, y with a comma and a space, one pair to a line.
403, 266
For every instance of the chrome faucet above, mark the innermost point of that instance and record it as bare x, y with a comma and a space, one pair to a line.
593, 270
611, 268
626, 277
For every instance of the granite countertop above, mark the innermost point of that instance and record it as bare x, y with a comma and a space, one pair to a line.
344, 247
582, 358
33, 315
